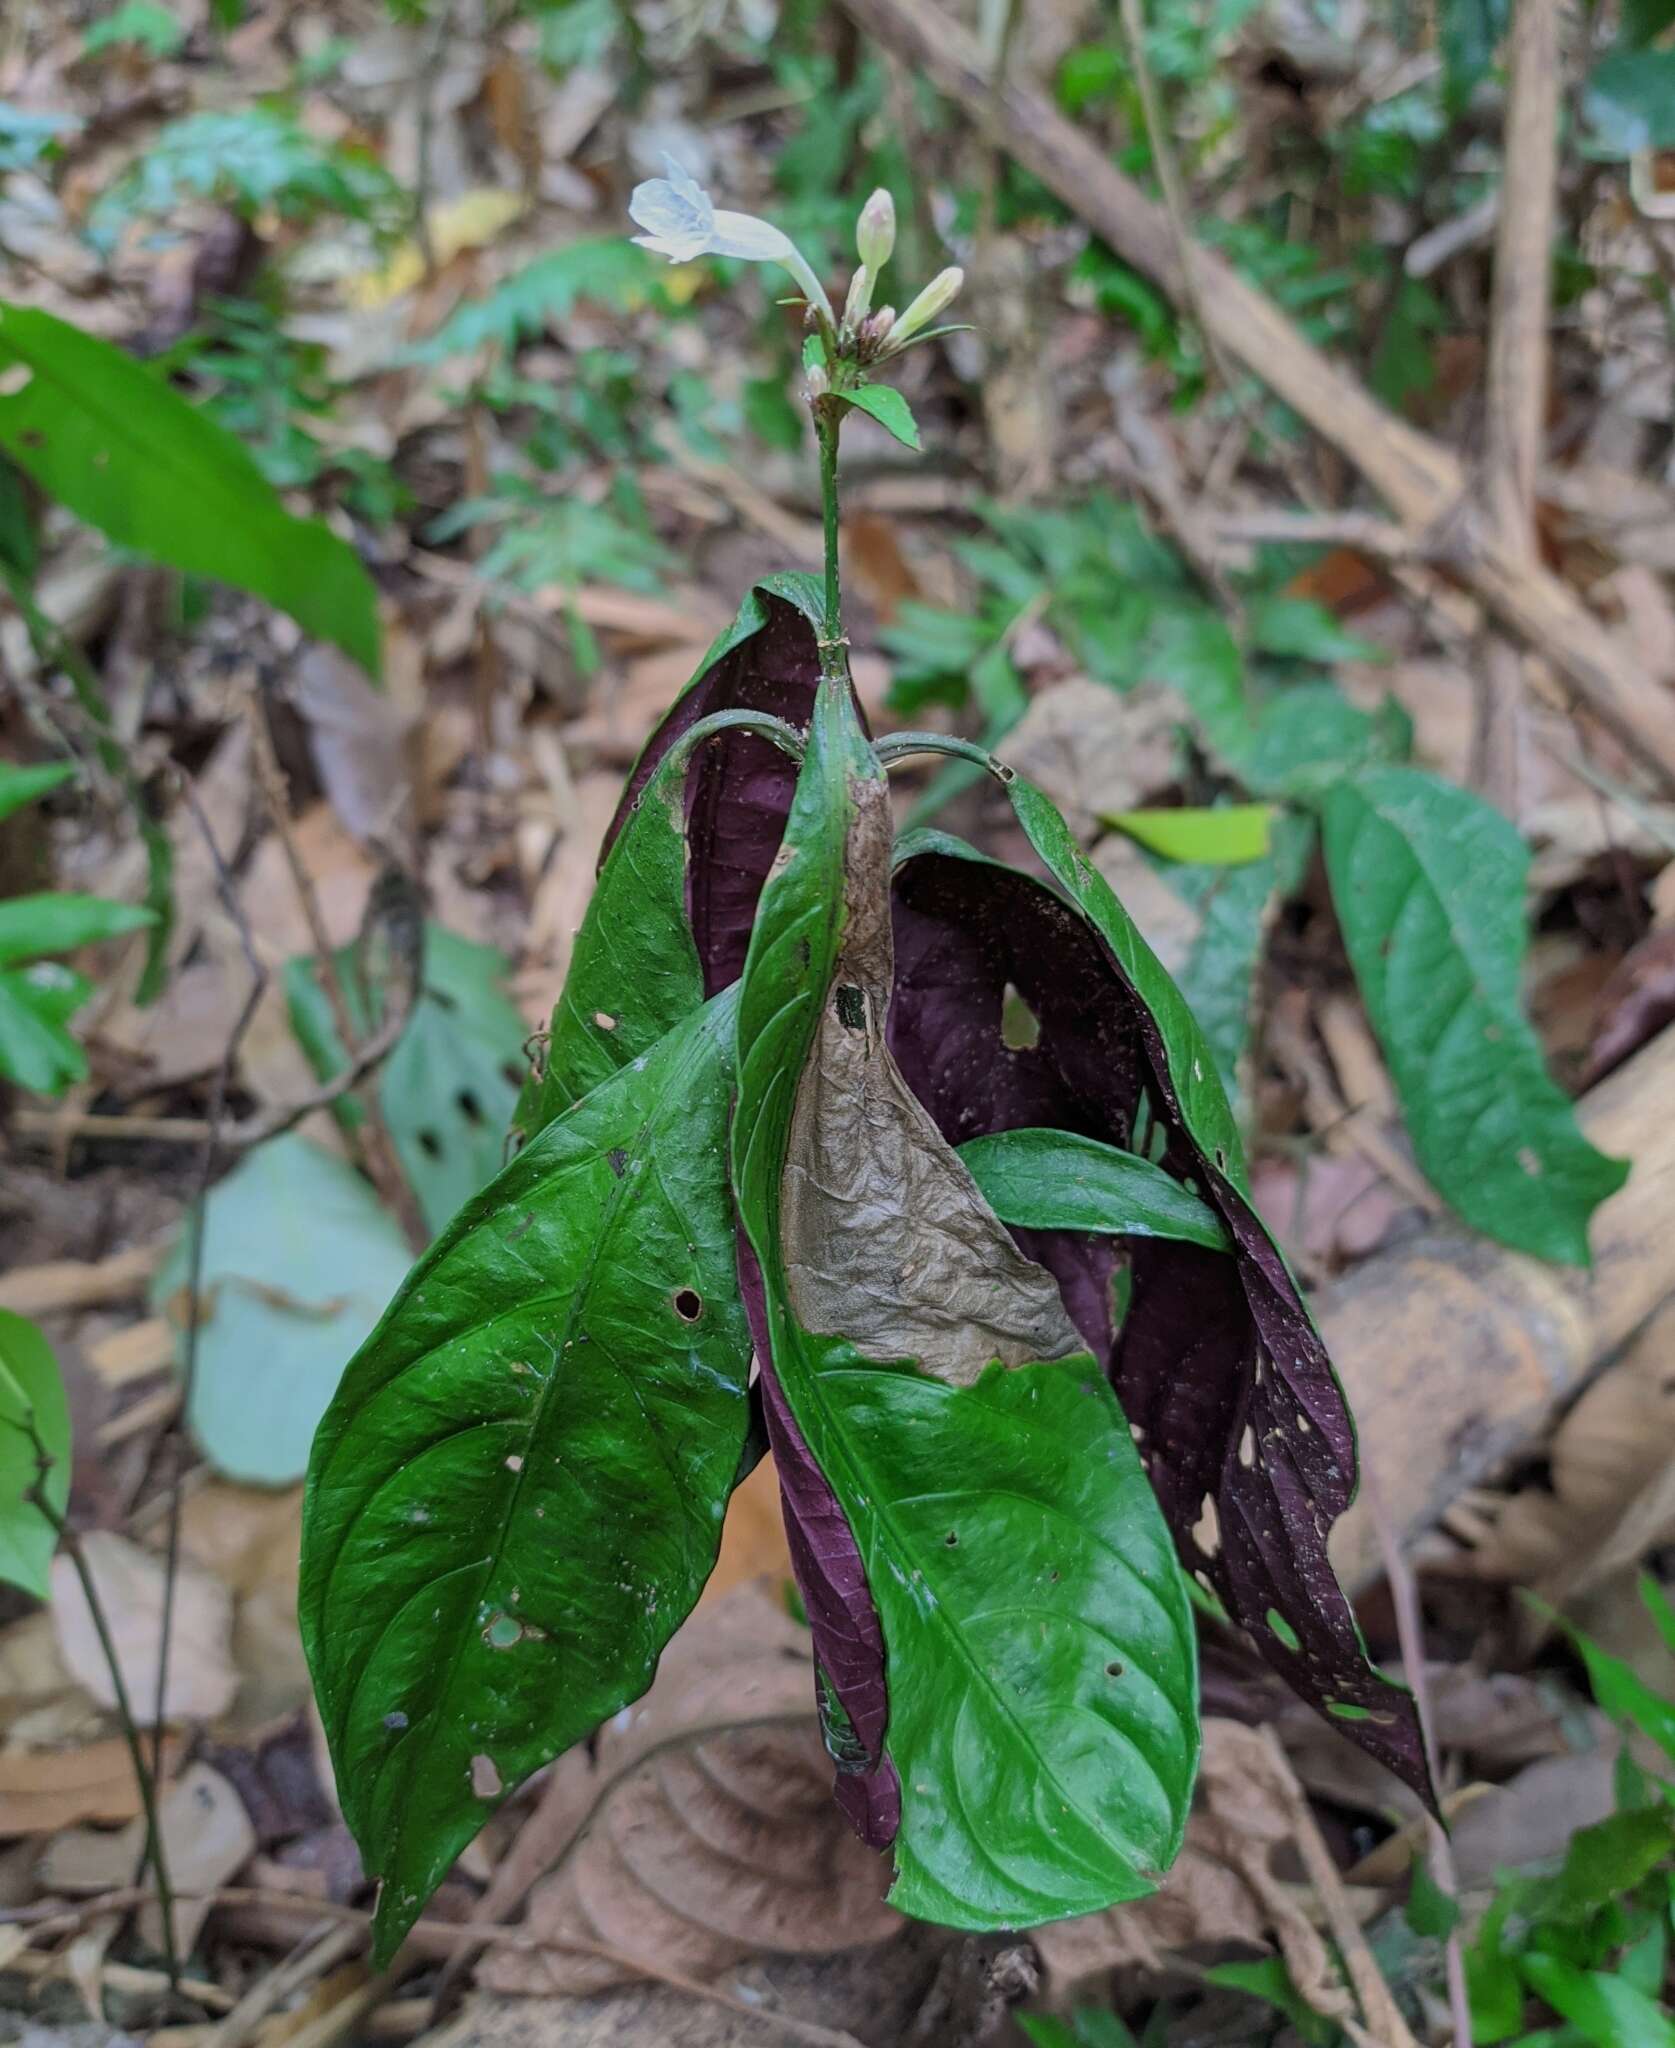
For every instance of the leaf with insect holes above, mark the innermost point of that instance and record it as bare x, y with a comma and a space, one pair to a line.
517, 1492
32, 1405
1242, 1423
884, 403
1039, 1736
107, 438
450, 1084
1428, 883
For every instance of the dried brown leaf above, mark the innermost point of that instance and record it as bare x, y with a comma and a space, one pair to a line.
887, 1241
702, 1829
1094, 751
45, 1790
202, 1678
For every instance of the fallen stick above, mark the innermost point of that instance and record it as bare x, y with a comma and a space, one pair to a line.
1424, 484
1457, 1353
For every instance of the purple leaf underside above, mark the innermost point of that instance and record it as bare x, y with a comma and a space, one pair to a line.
1242, 1425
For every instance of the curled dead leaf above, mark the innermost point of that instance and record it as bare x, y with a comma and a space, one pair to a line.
701, 1829
202, 1678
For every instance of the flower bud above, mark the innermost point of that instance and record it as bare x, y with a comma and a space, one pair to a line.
859, 299
818, 381
875, 231
875, 331
931, 301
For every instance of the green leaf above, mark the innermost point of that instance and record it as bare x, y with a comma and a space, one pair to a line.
1621, 1694
104, 436
884, 403
299, 1259
517, 1493
1607, 2010
1428, 881
1310, 736
32, 1398
1431, 1911
1041, 1658
1469, 31
1305, 631
1193, 648
35, 1049
20, 786
449, 1086
607, 271
1218, 976
140, 23
1604, 1862
32, 927
1270, 1981
1656, 1603
1628, 104
1225, 836
1055, 1180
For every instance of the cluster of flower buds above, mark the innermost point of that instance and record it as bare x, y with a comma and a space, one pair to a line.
682, 223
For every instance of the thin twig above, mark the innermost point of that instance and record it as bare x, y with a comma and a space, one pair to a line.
372, 1144
207, 1158
145, 1780
1410, 1635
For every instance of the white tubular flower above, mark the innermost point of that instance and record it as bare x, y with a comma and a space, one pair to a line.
931, 301
875, 231
855, 307
682, 223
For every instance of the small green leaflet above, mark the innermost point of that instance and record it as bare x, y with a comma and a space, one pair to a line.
38, 995
20, 786
1428, 882
32, 1403
884, 403
1226, 836
1044, 1772
517, 1493
104, 436
58, 921
1055, 1180
1604, 2008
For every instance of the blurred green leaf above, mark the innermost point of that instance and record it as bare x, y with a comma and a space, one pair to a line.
1629, 102
1469, 32
606, 271
104, 437
57, 921
1270, 1981
1431, 1911
20, 786
1607, 2010
1306, 631
1226, 835
141, 24
299, 1261
32, 1404
1428, 883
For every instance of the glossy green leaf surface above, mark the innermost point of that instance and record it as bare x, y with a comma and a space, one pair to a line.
1057, 1180
1041, 1658
1605, 2009
1428, 882
32, 1398
517, 1493
104, 436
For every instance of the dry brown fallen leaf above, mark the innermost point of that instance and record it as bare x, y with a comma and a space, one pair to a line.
1094, 751
207, 1840
45, 1790
703, 1829
202, 1678
1612, 1496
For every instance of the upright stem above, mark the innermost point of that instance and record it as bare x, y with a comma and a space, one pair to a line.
827, 414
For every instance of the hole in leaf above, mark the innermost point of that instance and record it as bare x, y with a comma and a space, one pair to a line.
430, 1144
469, 1107
485, 1778
395, 1721
1346, 1710
604, 1020
502, 1632
852, 1008
1113, 1670
952, 1537
689, 1305
1247, 1447
1020, 1028
1282, 1628
1206, 1531
15, 379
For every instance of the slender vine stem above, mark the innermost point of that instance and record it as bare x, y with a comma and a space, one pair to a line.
827, 416
784, 736
70, 1543
900, 745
